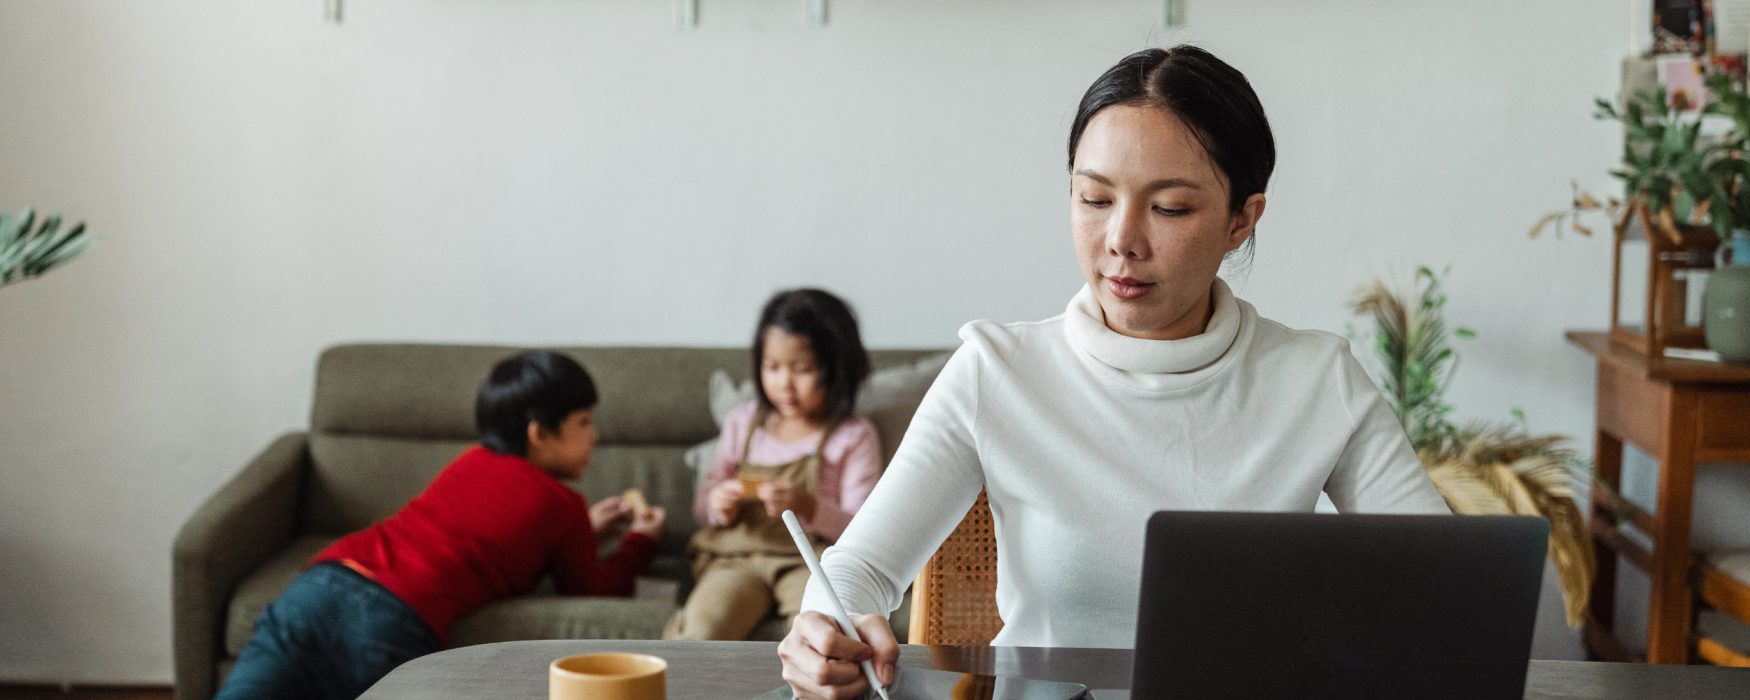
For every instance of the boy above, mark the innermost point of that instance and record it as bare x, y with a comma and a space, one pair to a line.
487, 527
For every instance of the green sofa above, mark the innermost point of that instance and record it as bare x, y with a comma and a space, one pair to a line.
384, 420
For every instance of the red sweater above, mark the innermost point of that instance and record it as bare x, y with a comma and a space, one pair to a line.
486, 528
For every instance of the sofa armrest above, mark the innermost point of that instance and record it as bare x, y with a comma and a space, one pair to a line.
230, 534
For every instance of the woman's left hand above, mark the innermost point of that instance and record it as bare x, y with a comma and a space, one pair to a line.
607, 513
780, 495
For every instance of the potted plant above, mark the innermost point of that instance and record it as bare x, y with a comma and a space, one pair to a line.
29, 248
1682, 176
1687, 191
1480, 468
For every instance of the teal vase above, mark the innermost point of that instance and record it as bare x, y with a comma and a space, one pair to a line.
1726, 303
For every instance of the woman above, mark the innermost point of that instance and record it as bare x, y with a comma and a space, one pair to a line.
1156, 389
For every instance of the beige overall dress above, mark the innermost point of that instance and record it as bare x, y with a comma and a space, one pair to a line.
742, 569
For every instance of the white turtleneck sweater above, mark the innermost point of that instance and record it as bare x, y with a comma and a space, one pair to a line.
1079, 434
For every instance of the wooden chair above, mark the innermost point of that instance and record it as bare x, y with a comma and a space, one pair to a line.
954, 597
1722, 581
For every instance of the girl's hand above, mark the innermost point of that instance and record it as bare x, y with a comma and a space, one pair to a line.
607, 513
651, 522
821, 662
780, 495
724, 502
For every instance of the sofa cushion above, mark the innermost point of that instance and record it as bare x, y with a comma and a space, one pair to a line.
264, 584
523, 617
357, 480
649, 395
892, 396
562, 617
771, 629
699, 458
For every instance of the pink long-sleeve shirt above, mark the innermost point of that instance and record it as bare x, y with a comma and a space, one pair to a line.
850, 465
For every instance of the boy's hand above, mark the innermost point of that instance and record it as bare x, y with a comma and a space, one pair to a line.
650, 522
724, 503
607, 513
780, 495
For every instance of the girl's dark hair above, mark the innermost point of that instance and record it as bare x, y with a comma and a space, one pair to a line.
538, 386
830, 326
1210, 96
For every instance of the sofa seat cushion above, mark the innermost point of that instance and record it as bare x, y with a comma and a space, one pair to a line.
523, 617
263, 585
562, 617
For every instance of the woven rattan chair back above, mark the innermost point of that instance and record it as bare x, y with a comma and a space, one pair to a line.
954, 599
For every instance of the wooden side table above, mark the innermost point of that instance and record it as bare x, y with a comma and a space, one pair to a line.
1681, 412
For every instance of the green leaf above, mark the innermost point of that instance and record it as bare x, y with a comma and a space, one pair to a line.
62, 255
27, 252
1657, 185
1673, 143
1699, 185
75, 234
45, 237
21, 225
1684, 205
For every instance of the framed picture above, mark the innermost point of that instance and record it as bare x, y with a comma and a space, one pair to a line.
1680, 26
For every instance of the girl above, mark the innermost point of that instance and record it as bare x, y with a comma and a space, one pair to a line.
795, 447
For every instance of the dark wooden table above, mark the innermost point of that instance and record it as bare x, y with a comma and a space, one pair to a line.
729, 670
1680, 412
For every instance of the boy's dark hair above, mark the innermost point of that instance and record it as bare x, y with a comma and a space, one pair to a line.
830, 326
538, 386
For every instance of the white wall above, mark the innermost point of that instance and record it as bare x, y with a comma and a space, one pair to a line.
571, 171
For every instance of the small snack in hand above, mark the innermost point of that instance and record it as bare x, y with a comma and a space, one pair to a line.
634, 500
750, 487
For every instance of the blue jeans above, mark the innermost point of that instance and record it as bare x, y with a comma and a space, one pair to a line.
331, 634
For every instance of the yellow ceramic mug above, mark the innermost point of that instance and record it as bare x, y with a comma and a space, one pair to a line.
610, 676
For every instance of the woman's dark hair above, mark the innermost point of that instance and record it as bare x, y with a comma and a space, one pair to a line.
538, 386
830, 326
1210, 96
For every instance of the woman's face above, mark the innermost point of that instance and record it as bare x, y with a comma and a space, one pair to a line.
1149, 210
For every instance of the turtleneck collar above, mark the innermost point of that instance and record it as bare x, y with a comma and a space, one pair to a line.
1085, 323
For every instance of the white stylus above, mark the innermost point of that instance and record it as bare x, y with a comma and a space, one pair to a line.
838, 608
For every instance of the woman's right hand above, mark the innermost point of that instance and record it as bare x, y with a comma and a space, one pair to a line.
724, 502
821, 662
